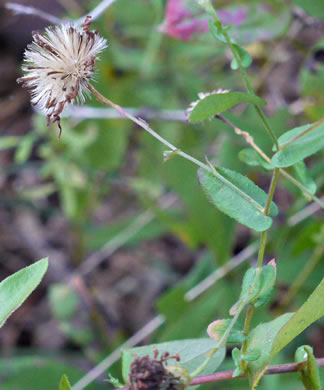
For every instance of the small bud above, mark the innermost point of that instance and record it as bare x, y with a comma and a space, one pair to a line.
181, 374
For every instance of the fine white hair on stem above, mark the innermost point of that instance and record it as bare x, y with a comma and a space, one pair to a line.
58, 65
97, 11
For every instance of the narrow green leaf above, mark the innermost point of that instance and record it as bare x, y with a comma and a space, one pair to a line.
303, 147
216, 103
309, 312
15, 289
250, 157
64, 383
193, 353
302, 174
264, 335
237, 197
267, 281
309, 373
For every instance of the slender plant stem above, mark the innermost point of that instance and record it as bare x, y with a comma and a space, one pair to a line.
272, 189
219, 345
246, 328
228, 375
144, 125
263, 241
250, 141
250, 89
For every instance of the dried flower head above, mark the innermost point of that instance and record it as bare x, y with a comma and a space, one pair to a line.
153, 374
58, 65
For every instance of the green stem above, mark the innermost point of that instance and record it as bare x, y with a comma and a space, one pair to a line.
264, 234
144, 125
250, 89
268, 160
247, 324
263, 241
219, 345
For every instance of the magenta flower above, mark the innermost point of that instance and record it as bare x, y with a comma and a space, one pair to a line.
183, 23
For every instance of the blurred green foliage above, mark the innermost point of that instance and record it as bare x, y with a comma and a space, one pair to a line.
97, 159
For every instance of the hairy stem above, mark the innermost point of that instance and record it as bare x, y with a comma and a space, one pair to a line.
144, 125
219, 345
228, 375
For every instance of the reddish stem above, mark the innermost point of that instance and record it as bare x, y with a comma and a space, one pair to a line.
227, 375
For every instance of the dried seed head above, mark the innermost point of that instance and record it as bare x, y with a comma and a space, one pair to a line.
58, 65
153, 374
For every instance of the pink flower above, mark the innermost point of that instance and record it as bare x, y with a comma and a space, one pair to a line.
182, 23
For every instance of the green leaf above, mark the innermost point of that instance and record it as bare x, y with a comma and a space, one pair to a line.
217, 30
264, 335
309, 312
302, 174
267, 282
193, 353
64, 383
251, 355
237, 197
24, 148
236, 356
245, 57
305, 146
310, 372
249, 290
215, 103
250, 157
217, 329
15, 289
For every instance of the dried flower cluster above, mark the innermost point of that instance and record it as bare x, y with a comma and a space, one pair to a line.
58, 65
151, 374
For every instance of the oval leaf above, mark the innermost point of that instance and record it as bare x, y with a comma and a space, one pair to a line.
264, 335
303, 147
232, 198
309, 312
216, 103
193, 353
15, 289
